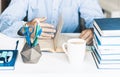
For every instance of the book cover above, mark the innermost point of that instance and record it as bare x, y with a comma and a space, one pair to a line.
108, 26
107, 40
11, 64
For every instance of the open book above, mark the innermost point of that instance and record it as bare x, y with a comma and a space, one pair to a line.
55, 45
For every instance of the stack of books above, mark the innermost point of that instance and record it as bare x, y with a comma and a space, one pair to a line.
106, 47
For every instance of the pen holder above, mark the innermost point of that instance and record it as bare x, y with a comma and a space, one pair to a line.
31, 54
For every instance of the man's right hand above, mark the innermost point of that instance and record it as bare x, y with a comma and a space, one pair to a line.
48, 30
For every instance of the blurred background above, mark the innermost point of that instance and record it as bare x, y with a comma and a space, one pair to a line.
111, 8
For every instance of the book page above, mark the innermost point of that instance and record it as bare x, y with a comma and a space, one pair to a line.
59, 29
60, 38
46, 45
55, 45
50, 44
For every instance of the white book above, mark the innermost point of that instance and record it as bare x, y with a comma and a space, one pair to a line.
107, 40
105, 61
106, 49
107, 56
105, 66
109, 61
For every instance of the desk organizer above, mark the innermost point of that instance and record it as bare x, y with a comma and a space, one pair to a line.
31, 54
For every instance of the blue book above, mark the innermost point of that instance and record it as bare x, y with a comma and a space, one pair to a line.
8, 61
108, 26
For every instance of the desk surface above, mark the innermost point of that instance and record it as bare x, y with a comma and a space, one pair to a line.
57, 65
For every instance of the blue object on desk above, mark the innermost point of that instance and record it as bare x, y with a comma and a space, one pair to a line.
3, 57
6, 55
27, 31
8, 58
17, 45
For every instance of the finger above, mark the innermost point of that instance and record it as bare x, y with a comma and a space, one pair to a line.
48, 30
89, 39
86, 33
41, 37
45, 25
82, 33
90, 43
47, 35
84, 36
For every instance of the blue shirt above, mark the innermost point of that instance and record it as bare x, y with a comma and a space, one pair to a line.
11, 20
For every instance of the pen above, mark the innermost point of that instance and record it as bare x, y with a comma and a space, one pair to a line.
16, 44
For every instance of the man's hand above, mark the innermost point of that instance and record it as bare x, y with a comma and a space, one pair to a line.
87, 35
47, 29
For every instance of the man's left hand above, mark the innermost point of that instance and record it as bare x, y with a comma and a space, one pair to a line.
87, 35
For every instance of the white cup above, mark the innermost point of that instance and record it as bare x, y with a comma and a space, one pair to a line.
75, 50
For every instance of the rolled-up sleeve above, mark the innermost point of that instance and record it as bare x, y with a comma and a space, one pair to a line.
90, 9
11, 20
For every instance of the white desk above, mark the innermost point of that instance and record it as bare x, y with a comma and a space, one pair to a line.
56, 65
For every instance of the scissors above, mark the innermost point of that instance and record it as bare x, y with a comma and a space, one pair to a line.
27, 31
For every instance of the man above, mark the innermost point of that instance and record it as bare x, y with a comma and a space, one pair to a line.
47, 13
